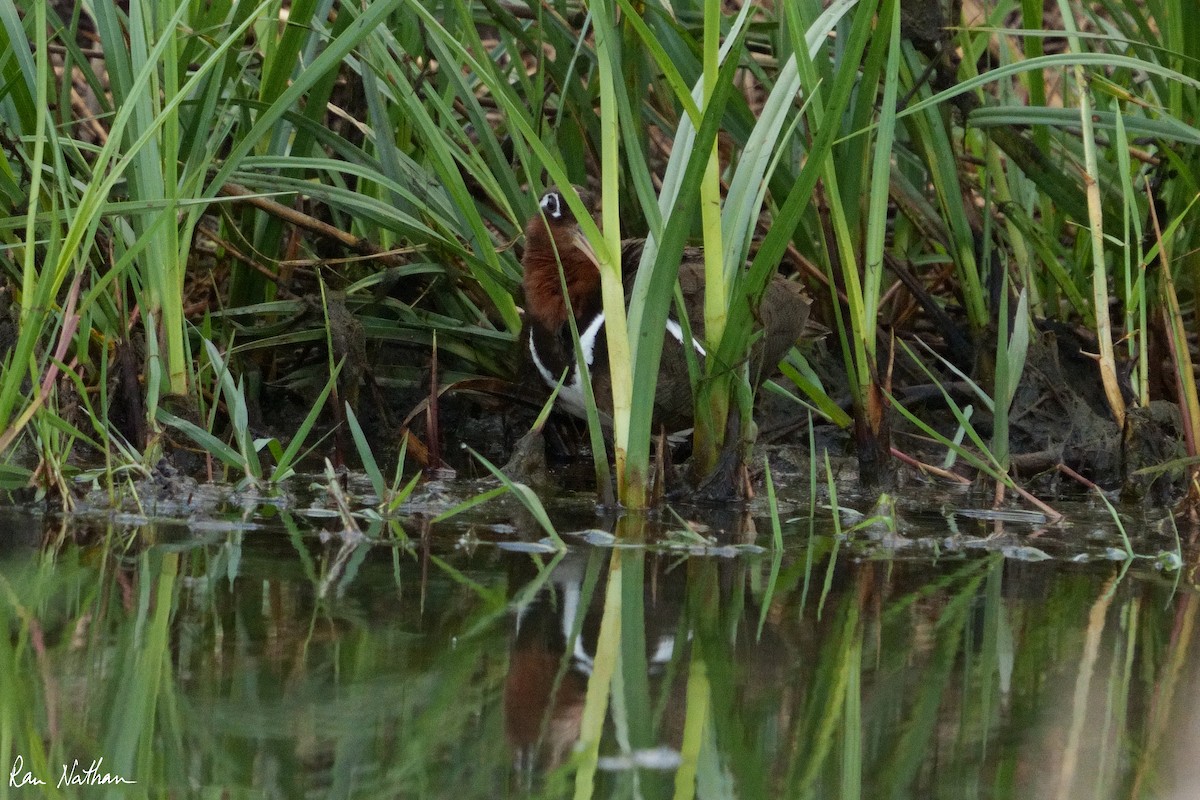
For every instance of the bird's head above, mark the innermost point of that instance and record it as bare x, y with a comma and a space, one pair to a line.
553, 238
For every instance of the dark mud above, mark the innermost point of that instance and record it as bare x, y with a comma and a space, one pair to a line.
1060, 430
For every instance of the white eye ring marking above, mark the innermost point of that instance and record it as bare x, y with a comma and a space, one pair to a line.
552, 204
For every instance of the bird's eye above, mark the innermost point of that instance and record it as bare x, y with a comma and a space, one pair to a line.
552, 205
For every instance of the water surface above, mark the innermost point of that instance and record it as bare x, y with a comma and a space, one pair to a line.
267, 654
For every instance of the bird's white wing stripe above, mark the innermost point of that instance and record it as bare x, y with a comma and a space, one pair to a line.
571, 394
550, 378
676, 331
587, 338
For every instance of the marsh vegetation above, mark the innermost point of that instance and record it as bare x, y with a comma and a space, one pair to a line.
261, 324
234, 230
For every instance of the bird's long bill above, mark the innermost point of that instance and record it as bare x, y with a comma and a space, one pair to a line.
585, 247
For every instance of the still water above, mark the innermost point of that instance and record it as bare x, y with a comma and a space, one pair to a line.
268, 654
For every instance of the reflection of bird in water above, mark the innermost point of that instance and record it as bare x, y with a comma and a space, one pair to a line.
551, 660
543, 710
554, 236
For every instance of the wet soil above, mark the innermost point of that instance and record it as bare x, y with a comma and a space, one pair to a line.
1062, 435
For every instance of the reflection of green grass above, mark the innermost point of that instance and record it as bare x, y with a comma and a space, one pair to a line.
218, 668
239, 682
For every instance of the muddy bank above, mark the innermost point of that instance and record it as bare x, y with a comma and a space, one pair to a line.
1061, 434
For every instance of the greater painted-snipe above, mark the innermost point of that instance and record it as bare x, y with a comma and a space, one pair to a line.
554, 236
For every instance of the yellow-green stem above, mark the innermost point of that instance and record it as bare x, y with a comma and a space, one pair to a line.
698, 705
595, 705
713, 402
1107, 359
631, 484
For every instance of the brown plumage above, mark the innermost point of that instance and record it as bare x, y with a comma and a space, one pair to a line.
781, 317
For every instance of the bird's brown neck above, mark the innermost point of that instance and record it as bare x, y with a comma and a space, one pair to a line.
544, 300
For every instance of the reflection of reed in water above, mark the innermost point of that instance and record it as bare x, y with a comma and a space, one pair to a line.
554, 636
553, 643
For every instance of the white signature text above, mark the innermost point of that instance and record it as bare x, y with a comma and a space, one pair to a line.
73, 774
